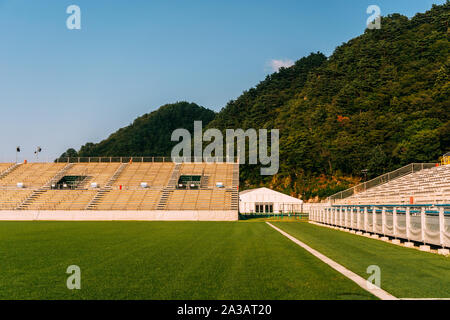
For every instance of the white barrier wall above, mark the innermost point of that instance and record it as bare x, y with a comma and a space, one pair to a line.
427, 224
155, 215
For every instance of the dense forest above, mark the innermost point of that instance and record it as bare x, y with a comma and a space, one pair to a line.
148, 135
380, 101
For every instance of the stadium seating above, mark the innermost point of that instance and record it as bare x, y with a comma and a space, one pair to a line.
214, 172
145, 199
95, 172
62, 200
32, 175
68, 186
155, 174
428, 186
220, 173
10, 199
199, 200
4, 167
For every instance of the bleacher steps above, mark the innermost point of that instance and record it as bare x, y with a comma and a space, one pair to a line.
97, 198
235, 191
174, 177
37, 193
115, 175
204, 182
92, 205
163, 199
208, 198
57, 177
29, 200
84, 183
235, 181
234, 199
9, 170
426, 186
171, 185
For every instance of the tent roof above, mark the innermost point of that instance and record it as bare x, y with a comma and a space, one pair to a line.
267, 191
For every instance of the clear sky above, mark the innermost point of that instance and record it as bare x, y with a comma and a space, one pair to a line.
61, 88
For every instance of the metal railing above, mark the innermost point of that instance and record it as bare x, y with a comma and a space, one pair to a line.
142, 159
387, 177
428, 224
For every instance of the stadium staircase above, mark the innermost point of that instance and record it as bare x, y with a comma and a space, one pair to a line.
29, 200
57, 177
47, 186
204, 182
104, 190
168, 190
235, 182
235, 190
9, 170
234, 200
84, 183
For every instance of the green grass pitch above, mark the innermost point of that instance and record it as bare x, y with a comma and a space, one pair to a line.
162, 260
201, 260
405, 272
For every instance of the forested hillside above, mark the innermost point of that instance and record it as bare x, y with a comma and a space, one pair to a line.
148, 135
378, 102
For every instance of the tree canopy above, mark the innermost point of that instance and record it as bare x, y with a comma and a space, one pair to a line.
148, 135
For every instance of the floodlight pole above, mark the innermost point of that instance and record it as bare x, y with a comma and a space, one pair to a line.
17, 152
38, 149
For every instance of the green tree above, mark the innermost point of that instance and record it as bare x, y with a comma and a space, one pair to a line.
378, 162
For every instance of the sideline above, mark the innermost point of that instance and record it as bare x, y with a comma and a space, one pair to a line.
378, 292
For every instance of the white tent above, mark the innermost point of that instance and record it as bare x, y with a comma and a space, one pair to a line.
264, 200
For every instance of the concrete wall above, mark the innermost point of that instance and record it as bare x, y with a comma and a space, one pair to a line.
56, 215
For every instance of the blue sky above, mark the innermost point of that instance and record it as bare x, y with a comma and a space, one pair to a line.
60, 88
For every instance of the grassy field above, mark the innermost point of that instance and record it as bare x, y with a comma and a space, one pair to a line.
162, 260
405, 273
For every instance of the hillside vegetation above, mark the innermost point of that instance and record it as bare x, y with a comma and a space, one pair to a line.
378, 102
148, 135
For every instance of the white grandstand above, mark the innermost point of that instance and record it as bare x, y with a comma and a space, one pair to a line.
411, 203
427, 186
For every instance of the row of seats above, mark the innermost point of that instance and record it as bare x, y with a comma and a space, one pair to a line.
4, 167
62, 200
32, 175
212, 199
428, 186
35, 175
214, 171
99, 172
154, 173
10, 199
145, 199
